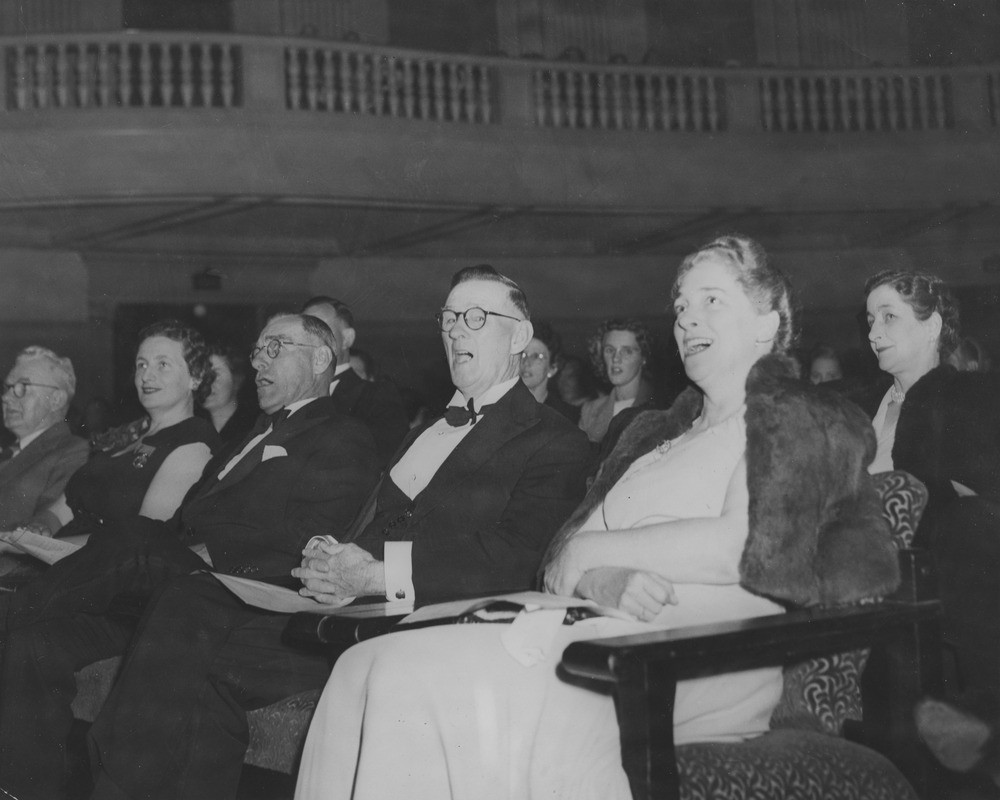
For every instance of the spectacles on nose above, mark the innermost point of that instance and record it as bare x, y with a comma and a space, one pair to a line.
529, 357
273, 347
474, 318
19, 388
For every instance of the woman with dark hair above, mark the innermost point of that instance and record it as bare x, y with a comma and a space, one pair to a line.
144, 468
912, 328
540, 363
678, 529
231, 413
619, 351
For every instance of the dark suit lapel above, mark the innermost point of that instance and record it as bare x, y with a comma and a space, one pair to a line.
513, 413
299, 422
32, 454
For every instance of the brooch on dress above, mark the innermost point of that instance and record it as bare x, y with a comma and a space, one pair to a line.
142, 454
663, 447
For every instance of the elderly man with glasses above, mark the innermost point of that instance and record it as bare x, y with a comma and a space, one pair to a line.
34, 470
467, 507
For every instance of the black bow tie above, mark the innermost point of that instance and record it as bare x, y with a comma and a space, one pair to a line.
265, 421
457, 416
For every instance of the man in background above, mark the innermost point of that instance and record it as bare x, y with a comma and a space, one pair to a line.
34, 470
375, 403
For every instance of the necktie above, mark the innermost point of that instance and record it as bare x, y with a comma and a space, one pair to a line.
9, 452
278, 417
456, 416
265, 421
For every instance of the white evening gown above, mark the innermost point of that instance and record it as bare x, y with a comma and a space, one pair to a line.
446, 712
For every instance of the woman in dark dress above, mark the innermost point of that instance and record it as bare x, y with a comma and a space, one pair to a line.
146, 467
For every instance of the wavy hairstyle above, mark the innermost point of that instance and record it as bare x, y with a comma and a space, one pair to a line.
765, 286
193, 348
925, 294
595, 344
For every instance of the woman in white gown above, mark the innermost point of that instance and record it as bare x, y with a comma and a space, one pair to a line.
478, 711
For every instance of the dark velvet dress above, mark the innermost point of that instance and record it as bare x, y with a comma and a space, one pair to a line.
109, 489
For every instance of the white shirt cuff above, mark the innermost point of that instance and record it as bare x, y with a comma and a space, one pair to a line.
398, 565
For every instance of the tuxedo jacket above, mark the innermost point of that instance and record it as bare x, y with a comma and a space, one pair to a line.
378, 405
38, 475
484, 520
306, 478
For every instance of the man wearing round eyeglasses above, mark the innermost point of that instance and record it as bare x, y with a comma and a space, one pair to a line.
33, 473
469, 504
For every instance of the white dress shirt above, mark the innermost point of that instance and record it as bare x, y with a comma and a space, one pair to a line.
415, 469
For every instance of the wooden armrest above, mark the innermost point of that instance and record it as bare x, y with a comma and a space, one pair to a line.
643, 671
746, 644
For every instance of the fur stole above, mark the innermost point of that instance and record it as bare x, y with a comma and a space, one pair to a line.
817, 534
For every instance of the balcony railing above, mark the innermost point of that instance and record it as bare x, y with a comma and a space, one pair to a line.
109, 72
628, 98
294, 76
366, 81
883, 100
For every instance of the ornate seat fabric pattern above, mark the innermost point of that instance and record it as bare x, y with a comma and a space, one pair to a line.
904, 499
788, 764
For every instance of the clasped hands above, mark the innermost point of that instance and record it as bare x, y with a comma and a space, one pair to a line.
332, 573
639, 593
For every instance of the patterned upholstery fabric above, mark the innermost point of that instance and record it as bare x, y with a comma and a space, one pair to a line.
803, 758
904, 499
795, 765
822, 693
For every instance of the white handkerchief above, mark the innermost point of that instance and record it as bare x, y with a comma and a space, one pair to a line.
529, 637
273, 451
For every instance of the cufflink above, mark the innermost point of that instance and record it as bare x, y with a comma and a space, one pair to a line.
400, 594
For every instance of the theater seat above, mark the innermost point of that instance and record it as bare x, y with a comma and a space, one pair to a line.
844, 727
